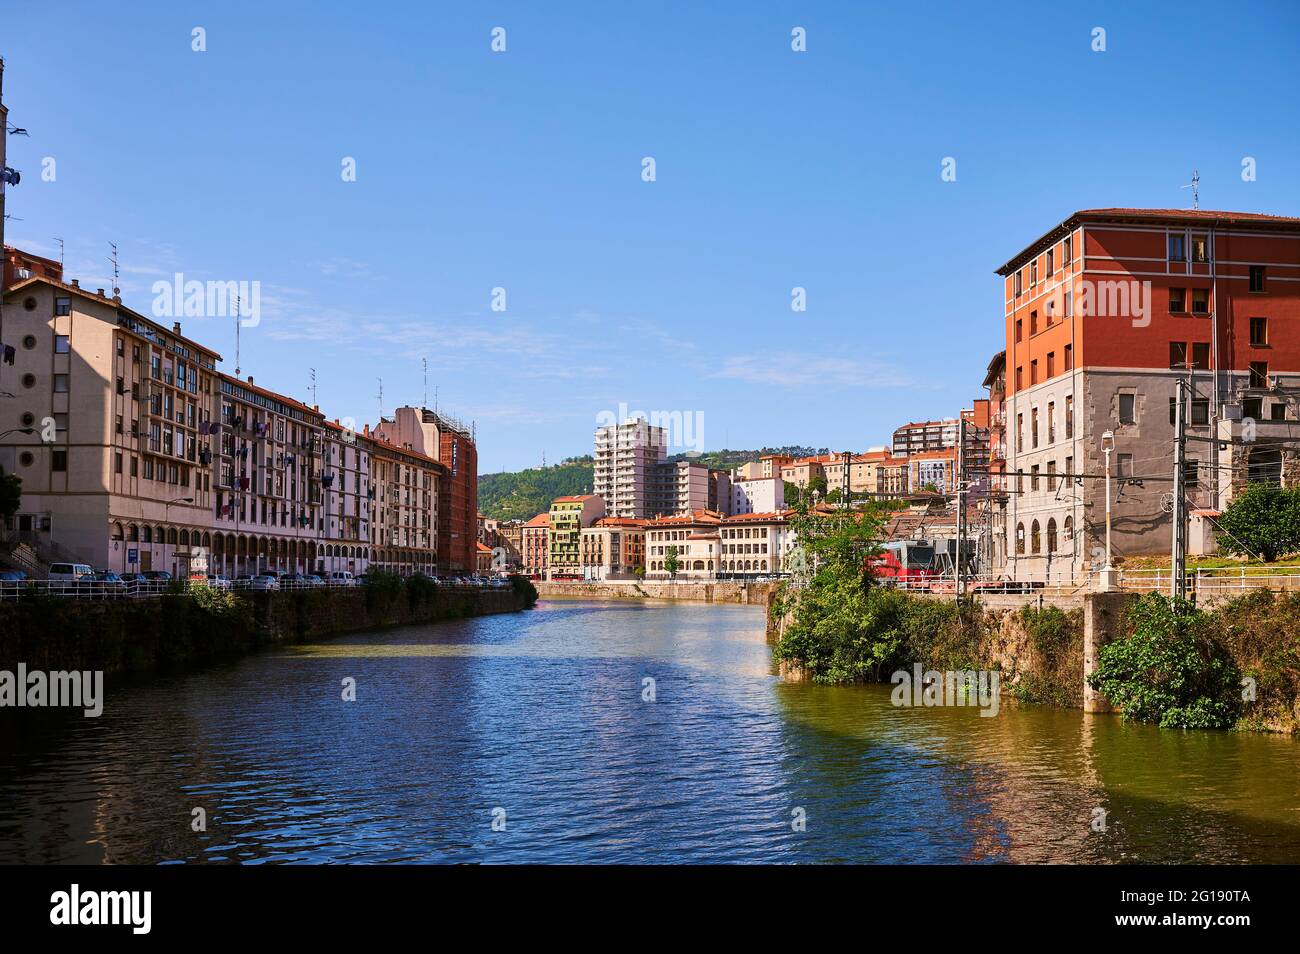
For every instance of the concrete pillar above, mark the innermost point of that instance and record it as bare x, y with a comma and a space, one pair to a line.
1103, 621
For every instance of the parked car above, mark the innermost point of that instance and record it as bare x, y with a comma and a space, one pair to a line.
103, 583
13, 576
263, 581
131, 577
341, 578
314, 580
218, 582
69, 572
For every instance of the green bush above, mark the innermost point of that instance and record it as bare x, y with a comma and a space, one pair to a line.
1168, 671
1056, 638
524, 587
1263, 519
381, 589
420, 590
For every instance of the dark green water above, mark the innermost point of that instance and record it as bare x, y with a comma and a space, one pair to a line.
541, 715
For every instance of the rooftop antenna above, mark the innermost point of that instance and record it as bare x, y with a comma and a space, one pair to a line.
424, 363
113, 258
238, 304
381, 398
1195, 186
60, 241
313, 386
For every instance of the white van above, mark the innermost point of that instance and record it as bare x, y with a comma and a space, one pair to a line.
341, 578
69, 572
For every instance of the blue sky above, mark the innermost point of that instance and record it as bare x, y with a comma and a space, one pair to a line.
522, 170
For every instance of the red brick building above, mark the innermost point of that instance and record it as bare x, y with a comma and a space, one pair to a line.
1102, 314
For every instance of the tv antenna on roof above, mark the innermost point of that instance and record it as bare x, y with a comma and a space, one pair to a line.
313, 385
1195, 186
60, 241
424, 363
116, 271
381, 398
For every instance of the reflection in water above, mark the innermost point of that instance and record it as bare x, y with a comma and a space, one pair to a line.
540, 714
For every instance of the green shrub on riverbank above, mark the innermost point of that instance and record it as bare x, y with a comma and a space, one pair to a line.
524, 587
1261, 632
1168, 670
1056, 640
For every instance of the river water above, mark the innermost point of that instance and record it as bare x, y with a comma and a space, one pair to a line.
537, 722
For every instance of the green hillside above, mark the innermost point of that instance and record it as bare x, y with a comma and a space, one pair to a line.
526, 493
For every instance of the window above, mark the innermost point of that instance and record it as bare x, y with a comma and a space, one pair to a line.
1178, 354
1177, 301
1200, 249
1258, 332
1278, 411
1033, 323
1020, 432
59, 461
1019, 277
1069, 357
1033, 426
1051, 364
1252, 408
1033, 273
1124, 465
1069, 304
1200, 354
60, 383
1127, 408
1259, 374
117, 462
1069, 415
1033, 372
1191, 472
1020, 376
1020, 538
1200, 301
63, 306
1069, 468
1033, 477
1257, 278
1019, 329
1051, 262
60, 344
1069, 250
1051, 535
1035, 538
1200, 413
1051, 422
1177, 249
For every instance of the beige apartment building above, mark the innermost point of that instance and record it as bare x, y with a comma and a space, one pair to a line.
755, 544
348, 500
695, 539
613, 548
109, 430
269, 495
404, 522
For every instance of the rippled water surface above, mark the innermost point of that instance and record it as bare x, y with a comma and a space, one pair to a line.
540, 714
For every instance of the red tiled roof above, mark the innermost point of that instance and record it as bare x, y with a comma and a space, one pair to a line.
541, 520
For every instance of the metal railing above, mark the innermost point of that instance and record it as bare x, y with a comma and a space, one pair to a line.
153, 589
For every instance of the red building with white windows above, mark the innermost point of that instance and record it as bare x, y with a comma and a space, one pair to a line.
1102, 314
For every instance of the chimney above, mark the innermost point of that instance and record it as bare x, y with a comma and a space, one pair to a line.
176, 327
99, 292
76, 283
250, 379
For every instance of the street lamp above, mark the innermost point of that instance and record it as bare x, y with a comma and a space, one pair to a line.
18, 430
1107, 583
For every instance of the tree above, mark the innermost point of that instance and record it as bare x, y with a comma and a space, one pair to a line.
1263, 519
671, 563
11, 493
1168, 671
817, 485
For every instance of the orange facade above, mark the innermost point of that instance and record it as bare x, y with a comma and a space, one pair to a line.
1154, 289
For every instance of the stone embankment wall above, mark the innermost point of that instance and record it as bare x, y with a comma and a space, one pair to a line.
176, 630
755, 594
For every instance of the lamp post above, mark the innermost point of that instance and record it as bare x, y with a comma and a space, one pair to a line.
1107, 582
18, 430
